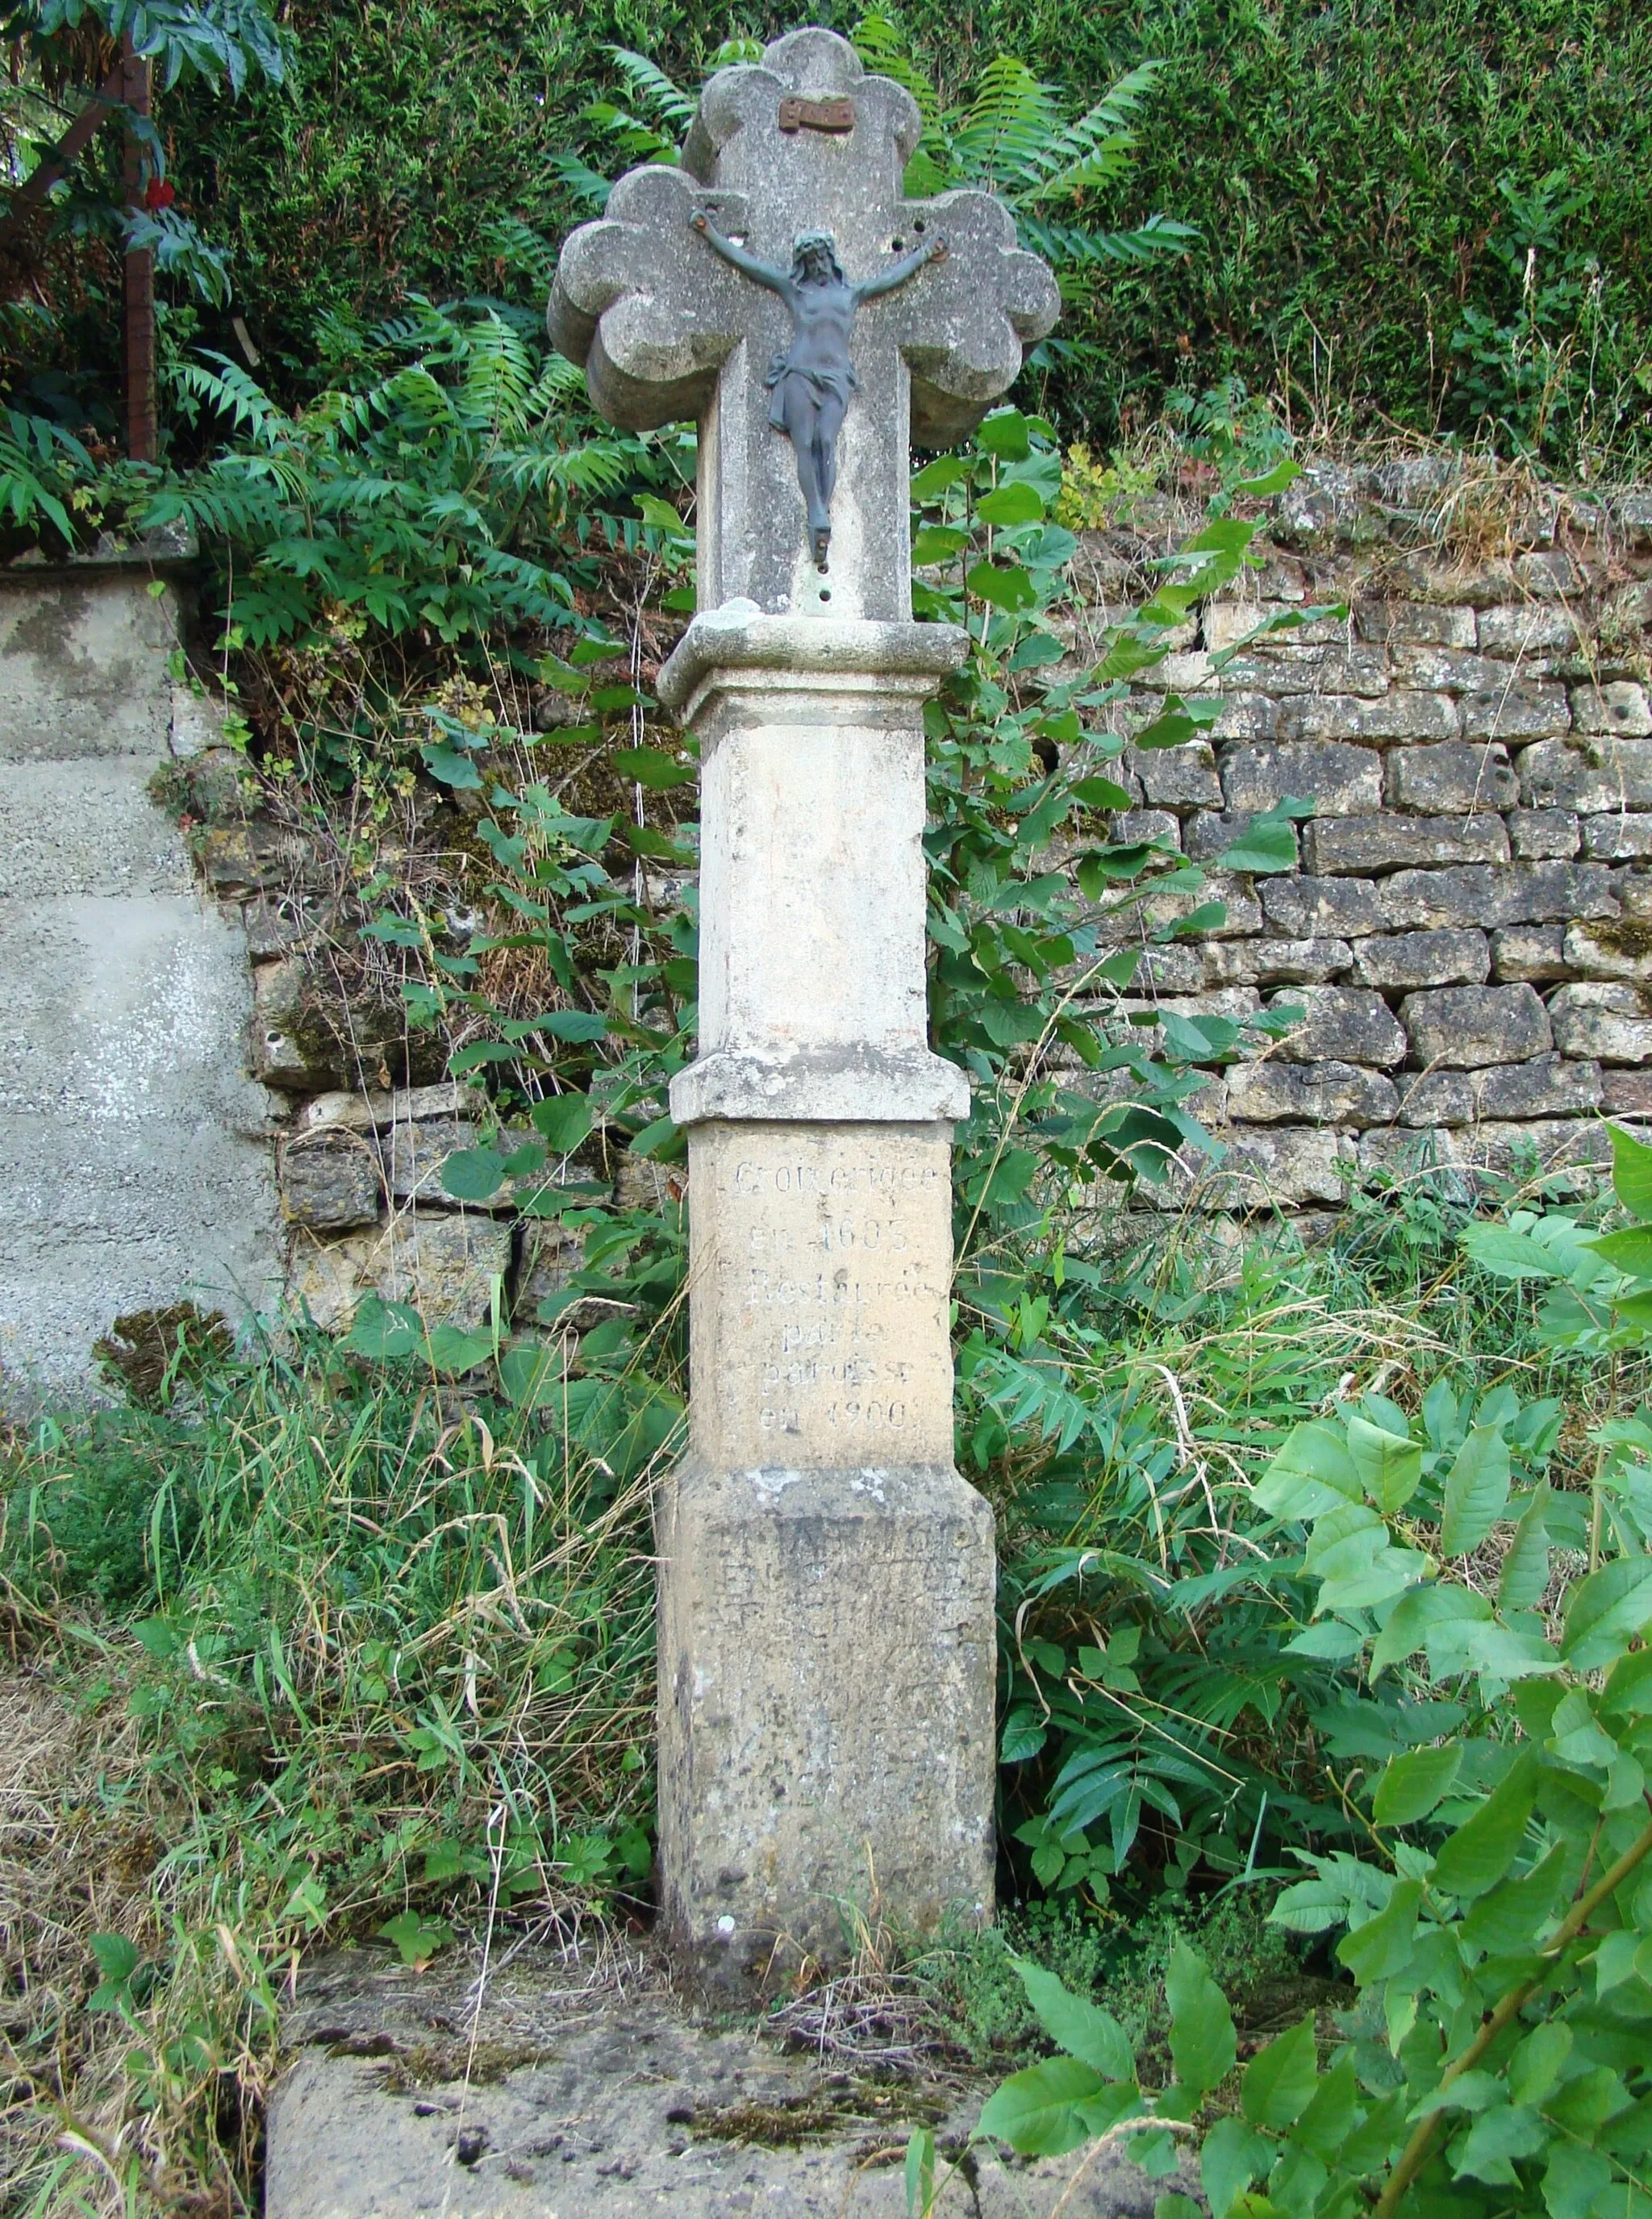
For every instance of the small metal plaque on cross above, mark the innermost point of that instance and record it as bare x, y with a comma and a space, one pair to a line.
817, 115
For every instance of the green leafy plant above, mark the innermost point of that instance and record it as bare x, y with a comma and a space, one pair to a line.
1496, 1917
1601, 1283
434, 489
47, 476
1015, 137
1531, 365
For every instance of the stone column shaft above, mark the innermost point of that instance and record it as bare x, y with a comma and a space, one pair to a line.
826, 1577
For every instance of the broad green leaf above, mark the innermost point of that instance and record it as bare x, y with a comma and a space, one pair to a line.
1419, 1614
1631, 1172
1310, 1907
1381, 1947
1015, 503
1179, 721
1508, 2131
1269, 845
1389, 1469
572, 1025
652, 767
1628, 1252
1575, 1737
1082, 2028
1024, 1734
1515, 1912
450, 1349
1476, 1488
1510, 1255
1203, 2045
1575, 2182
1037, 2111
1332, 1640
1004, 433
564, 1120
385, 1331
533, 1375
1484, 1847
1005, 586
1525, 1576
1036, 650
117, 1957
1232, 2157
1325, 2125
1537, 2065
452, 768
937, 543
659, 513
1345, 1541
1098, 793
1310, 1474
1605, 1612
473, 1174
1284, 474
417, 1938
1497, 1652
1412, 1784
1280, 2081
1628, 1691
939, 476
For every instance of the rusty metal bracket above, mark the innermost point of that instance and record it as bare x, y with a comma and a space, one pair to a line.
817, 115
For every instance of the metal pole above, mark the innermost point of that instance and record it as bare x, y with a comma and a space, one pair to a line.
142, 435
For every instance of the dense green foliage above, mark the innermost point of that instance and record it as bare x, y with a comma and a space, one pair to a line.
1367, 180
60, 290
1321, 1573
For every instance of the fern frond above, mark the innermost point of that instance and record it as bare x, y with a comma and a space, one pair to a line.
1117, 105
233, 392
883, 49
518, 248
1101, 166
586, 186
1151, 241
498, 372
652, 89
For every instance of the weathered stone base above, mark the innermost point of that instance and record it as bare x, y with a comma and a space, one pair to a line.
826, 1711
592, 2095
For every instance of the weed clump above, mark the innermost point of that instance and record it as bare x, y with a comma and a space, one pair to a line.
1120, 1965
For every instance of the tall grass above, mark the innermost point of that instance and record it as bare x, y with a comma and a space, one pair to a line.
315, 1648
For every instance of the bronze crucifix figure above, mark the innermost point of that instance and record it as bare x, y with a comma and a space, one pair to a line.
812, 379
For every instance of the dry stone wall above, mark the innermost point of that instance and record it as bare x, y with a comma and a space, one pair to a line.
1467, 926
1466, 930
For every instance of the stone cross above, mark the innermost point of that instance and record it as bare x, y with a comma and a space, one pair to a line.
826, 1631
666, 329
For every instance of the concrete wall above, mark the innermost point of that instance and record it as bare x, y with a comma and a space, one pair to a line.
135, 1165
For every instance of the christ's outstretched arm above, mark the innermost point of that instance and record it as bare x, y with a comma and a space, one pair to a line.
908, 267
760, 273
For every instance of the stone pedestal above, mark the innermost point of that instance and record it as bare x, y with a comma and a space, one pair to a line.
826, 1580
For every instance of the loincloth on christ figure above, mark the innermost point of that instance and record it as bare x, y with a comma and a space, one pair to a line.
837, 383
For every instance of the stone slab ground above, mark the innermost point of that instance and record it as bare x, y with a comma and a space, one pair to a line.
593, 2095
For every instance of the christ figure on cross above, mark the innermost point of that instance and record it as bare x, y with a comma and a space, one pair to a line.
812, 379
